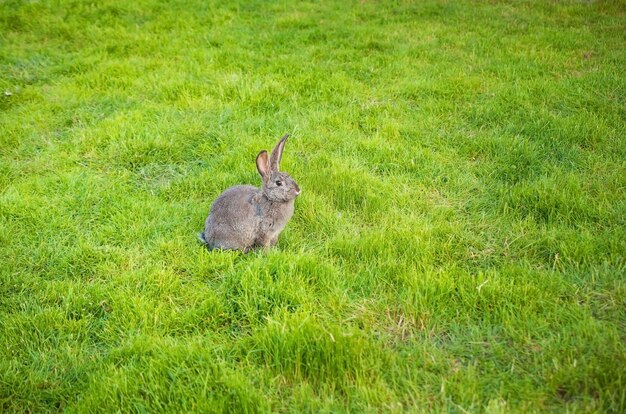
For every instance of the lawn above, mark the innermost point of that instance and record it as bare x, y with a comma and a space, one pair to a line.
459, 244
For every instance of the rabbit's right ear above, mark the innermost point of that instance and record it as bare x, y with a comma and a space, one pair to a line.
263, 165
277, 153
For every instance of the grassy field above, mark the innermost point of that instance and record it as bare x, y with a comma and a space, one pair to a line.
459, 245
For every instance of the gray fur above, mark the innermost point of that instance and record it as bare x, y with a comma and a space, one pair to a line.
245, 217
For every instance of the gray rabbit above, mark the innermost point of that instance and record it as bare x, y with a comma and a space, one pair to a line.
245, 217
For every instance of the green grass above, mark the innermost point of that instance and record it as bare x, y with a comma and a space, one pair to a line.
459, 245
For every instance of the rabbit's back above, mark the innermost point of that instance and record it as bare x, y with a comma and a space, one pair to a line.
234, 219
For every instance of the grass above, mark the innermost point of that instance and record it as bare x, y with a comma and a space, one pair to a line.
458, 247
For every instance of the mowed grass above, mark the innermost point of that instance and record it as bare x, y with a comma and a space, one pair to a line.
458, 246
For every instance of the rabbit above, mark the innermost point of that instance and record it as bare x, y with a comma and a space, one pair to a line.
245, 217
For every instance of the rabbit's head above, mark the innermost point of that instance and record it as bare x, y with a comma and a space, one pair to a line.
277, 186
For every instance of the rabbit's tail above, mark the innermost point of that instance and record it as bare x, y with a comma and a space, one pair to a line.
202, 239
204, 242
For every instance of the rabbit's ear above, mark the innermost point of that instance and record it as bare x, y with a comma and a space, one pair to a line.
277, 153
263, 164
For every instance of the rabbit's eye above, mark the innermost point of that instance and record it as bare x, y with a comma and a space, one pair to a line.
279, 183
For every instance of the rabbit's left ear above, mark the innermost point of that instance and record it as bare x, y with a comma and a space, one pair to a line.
277, 153
262, 165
